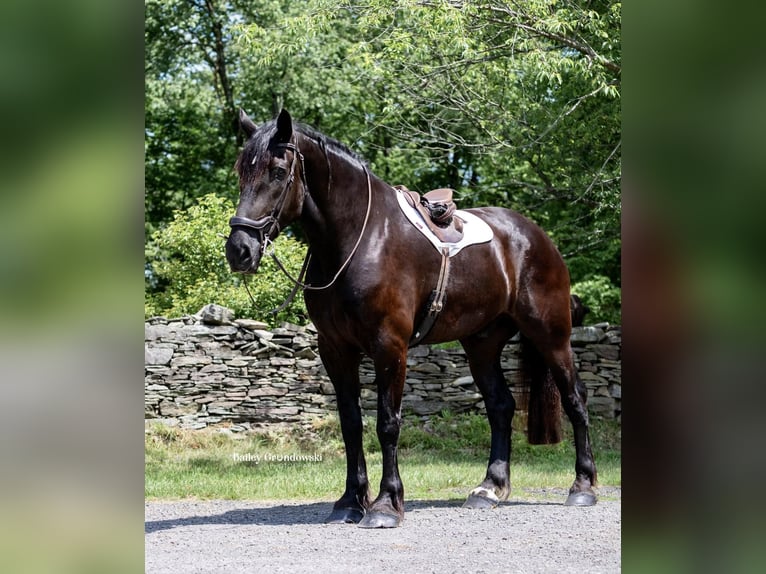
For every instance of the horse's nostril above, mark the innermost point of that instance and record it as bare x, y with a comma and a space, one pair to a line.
242, 252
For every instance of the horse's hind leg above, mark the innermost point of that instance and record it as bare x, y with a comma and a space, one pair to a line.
573, 398
483, 351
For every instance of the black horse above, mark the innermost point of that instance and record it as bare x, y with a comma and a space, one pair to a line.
370, 275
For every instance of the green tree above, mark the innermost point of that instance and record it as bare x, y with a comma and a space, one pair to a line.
601, 297
188, 257
511, 103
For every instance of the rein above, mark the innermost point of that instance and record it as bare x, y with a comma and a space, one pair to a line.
305, 286
273, 219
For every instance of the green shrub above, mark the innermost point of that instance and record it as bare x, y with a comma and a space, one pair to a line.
603, 298
189, 268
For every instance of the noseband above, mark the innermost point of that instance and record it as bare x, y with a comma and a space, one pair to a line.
272, 219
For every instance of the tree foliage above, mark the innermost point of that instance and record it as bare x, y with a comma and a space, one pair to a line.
189, 259
601, 297
512, 103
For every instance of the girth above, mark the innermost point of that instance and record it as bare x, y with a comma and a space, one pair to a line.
435, 302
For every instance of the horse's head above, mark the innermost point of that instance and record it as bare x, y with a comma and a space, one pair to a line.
271, 190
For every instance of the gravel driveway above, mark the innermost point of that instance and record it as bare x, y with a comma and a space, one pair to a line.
521, 535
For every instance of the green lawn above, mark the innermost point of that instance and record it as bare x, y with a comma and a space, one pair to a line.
442, 459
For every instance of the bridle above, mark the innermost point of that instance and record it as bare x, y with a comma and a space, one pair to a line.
272, 222
272, 219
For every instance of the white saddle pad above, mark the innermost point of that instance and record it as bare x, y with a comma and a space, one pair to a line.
475, 230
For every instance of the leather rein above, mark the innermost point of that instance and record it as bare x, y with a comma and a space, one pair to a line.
272, 222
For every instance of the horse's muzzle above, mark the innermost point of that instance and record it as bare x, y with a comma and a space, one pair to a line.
243, 252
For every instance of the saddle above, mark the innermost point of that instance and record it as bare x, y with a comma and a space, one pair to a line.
437, 210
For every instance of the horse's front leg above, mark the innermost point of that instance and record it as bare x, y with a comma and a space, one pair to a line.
342, 366
387, 511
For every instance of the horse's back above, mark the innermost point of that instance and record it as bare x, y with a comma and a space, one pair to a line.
538, 276
523, 240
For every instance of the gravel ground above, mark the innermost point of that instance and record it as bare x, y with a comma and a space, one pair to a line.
521, 536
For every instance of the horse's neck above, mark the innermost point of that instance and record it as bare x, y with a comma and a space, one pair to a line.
335, 208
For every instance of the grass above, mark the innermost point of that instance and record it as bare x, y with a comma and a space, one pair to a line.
443, 458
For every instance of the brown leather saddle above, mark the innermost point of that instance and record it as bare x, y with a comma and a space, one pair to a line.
437, 210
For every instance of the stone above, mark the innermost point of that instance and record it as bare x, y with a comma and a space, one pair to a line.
586, 335
155, 332
510, 364
421, 351
221, 407
422, 408
467, 397
175, 409
462, 381
306, 353
610, 352
214, 368
264, 335
430, 386
198, 331
213, 314
267, 391
205, 400
302, 342
284, 411
157, 355
252, 325
157, 388
614, 337
201, 374
591, 378
426, 368
327, 388
235, 382
190, 361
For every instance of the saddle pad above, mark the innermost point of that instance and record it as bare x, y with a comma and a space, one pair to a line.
475, 230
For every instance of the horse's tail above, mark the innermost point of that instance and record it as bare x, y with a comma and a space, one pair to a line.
542, 396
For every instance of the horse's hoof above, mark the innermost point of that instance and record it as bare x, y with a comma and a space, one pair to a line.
583, 498
345, 516
476, 502
481, 498
380, 520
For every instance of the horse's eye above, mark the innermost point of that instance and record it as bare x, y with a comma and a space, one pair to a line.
278, 173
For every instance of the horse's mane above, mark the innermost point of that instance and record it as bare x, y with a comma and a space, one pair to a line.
330, 143
254, 150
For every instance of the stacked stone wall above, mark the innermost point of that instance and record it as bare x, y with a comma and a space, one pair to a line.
208, 370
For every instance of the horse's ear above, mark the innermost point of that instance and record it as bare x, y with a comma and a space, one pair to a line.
284, 127
248, 126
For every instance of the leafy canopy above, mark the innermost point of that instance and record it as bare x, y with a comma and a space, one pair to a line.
189, 259
510, 103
